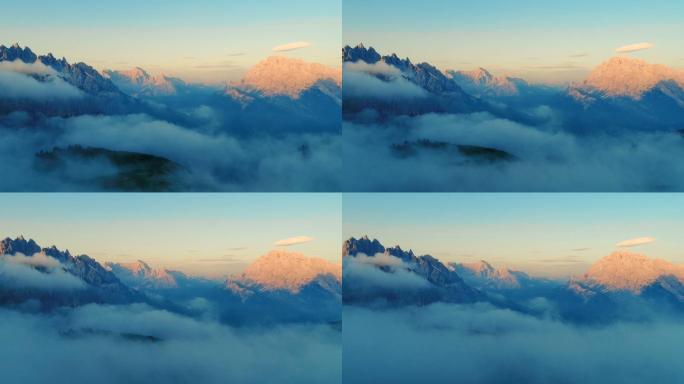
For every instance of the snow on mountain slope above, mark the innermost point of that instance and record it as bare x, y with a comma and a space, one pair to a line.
481, 82
139, 274
630, 77
281, 270
628, 271
137, 82
482, 274
279, 75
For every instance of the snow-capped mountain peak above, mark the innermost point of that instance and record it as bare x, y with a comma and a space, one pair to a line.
281, 270
480, 75
630, 77
481, 267
483, 274
137, 75
481, 82
138, 82
278, 75
622, 270
139, 274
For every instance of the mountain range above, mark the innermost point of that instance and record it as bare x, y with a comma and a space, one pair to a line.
621, 94
80, 75
278, 287
274, 77
622, 285
443, 284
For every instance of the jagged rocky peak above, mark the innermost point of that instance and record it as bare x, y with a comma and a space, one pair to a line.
281, 270
360, 53
80, 75
425, 75
279, 75
83, 266
407, 256
630, 77
29, 247
15, 52
364, 245
623, 270
10, 246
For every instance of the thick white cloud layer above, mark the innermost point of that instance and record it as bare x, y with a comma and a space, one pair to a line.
212, 161
19, 273
478, 344
360, 82
546, 157
16, 83
361, 273
136, 344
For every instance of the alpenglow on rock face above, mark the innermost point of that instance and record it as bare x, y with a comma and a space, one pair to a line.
280, 270
481, 82
631, 272
482, 274
625, 76
139, 274
289, 77
137, 82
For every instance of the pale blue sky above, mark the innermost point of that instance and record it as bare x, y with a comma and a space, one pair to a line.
199, 40
206, 234
541, 40
544, 234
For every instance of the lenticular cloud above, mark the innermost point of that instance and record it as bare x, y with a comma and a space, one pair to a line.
291, 46
634, 47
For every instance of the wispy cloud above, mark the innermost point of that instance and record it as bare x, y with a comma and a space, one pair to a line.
227, 259
217, 65
580, 249
634, 47
291, 46
576, 55
293, 240
556, 67
570, 259
635, 242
